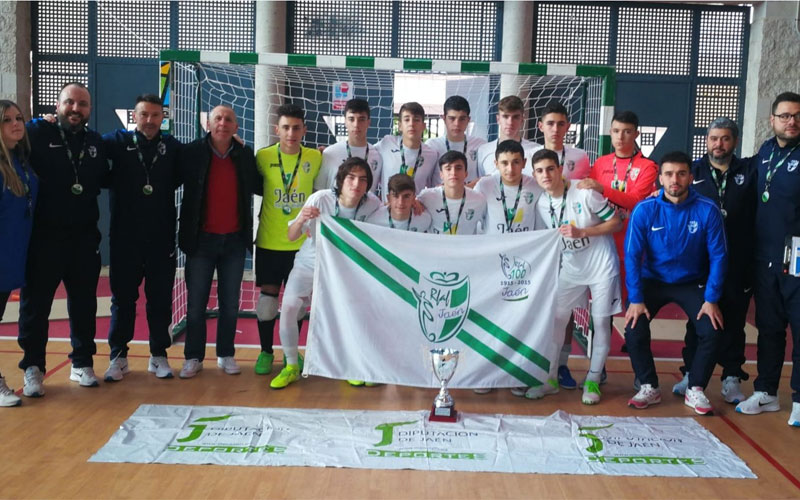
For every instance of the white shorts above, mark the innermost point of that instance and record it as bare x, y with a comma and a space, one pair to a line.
606, 297
300, 283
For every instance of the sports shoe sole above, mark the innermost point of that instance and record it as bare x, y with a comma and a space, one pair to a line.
644, 405
699, 411
37, 394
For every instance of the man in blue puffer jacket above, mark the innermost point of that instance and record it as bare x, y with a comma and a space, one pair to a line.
675, 251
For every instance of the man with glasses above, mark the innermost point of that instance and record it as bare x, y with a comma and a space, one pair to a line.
777, 293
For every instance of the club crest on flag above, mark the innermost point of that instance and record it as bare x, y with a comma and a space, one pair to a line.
442, 304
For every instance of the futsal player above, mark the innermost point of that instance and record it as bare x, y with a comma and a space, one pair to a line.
456, 120
510, 122
454, 208
589, 263
289, 171
350, 199
398, 212
356, 121
406, 154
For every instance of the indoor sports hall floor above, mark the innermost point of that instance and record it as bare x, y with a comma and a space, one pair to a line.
47, 441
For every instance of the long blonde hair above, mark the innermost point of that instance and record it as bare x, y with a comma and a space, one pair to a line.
22, 150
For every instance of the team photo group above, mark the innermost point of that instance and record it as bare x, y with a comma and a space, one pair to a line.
706, 234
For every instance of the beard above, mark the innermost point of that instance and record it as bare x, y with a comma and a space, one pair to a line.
63, 120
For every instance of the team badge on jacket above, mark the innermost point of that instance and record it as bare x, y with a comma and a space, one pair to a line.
692, 226
739, 178
792, 165
93, 152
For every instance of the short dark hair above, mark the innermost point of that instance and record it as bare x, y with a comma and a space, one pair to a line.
451, 157
149, 98
510, 103
509, 146
628, 117
356, 106
724, 122
414, 108
544, 154
554, 107
348, 166
456, 103
399, 183
785, 97
291, 110
675, 157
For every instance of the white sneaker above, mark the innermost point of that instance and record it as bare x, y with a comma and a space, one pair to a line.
190, 368
229, 365
591, 393
34, 382
85, 376
695, 398
732, 391
647, 395
7, 396
794, 418
116, 369
679, 389
482, 390
758, 402
549, 387
160, 366
519, 391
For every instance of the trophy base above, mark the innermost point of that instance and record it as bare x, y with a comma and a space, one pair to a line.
443, 414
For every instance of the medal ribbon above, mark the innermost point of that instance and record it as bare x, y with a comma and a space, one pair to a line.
350, 155
336, 206
404, 167
449, 226
147, 168
772, 170
509, 214
79, 162
722, 185
408, 225
616, 183
447, 144
557, 222
287, 181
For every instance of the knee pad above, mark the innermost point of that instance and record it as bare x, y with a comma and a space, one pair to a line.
267, 308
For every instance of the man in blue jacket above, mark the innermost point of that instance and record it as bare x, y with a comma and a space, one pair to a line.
675, 251
777, 293
730, 182
70, 161
144, 175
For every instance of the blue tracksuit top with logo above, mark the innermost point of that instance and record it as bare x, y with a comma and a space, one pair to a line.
675, 244
780, 216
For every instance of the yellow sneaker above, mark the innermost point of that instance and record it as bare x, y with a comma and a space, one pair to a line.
291, 373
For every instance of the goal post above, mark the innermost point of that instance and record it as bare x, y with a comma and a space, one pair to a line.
196, 81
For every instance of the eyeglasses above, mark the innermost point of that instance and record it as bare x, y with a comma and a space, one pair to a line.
785, 117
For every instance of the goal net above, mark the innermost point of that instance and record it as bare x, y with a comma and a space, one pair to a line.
198, 81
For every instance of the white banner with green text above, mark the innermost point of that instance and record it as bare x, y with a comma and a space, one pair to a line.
557, 444
384, 297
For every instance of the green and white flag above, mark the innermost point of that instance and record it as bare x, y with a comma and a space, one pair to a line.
384, 297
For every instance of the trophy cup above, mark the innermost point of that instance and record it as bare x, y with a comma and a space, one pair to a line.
444, 365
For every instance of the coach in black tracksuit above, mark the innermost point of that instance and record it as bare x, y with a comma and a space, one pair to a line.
734, 191
71, 164
142, 183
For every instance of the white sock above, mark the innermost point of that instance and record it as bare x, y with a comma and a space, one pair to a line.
601, 341
290, 334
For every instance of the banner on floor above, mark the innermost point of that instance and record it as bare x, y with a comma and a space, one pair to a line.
557, 444
383, 298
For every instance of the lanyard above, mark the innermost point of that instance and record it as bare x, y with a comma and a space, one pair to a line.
77, 188
449, 226
408, 225
772, 170
509, 214
148, 188
336, 206
557, 222
403, 167
722, 185
447, 144
287, 180
350, 155
616, 183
